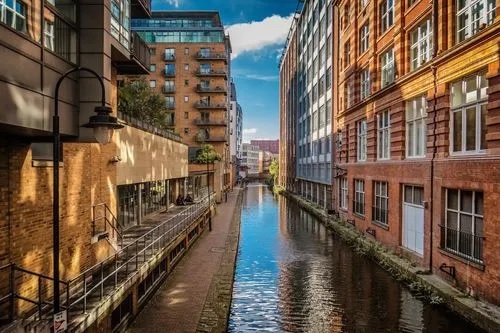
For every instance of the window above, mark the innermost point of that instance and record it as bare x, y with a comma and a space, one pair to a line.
153, 51
170, 69
365, 83
205, 68
153, 68
328, 80
348, 93
462, 233
186, 51
343, 193
13, 14
347, 54
363, 3
169, 86
170, 102
421, 44
415, 128
386, 12
364, 38
362, 140
359, 202
120, 21
383, 135
472, 16
48, 34
186, 130
387, 68
153, 84
186, 115
186, 83
469, 113
186, 99
186, 67
169, 54
380, 209
44, 151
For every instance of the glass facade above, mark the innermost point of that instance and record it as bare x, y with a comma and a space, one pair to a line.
182, 36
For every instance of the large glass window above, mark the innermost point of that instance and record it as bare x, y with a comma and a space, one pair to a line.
359, 202
120, 21
380, 209
462, 233
364, 38
469, 112
421, 44
48, 34
386, 12
387, 68
472, 15
383, 135
415, 129
170, 69
169, 54
362, 140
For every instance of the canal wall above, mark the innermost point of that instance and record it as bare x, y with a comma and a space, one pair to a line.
428, 286
216, 310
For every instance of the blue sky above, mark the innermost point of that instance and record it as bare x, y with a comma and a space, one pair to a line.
257, 29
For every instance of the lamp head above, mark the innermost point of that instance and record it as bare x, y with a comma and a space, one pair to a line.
103, 124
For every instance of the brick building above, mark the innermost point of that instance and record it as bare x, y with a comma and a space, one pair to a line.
415, 130
190, 65
266, 145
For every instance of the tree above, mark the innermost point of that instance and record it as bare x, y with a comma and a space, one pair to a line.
274, 170
208, 155
138, 100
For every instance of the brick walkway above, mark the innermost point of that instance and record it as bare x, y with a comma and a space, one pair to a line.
177, 305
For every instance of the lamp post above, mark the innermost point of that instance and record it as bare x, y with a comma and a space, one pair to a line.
208, 191
103, 124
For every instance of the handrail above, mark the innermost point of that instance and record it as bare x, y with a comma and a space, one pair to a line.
112, 222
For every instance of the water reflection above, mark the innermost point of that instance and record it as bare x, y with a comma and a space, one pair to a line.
294, 275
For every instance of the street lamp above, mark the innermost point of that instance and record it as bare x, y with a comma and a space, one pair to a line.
103, 125
208, 191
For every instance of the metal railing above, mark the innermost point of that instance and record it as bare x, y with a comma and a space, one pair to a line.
205, 89
44, 283
104, 277
211, 72
131, 121
463, 244
207, 105
102, 213
169, 57
140, 50
212, 55
169, 89
216, 122
169, 73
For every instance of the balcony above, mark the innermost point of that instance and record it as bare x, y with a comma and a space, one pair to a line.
169, 73
206, 105
212, 72
169, 57
170, 106
211, 89
168, 89
138, 62
212, 56
209, 122
211, 138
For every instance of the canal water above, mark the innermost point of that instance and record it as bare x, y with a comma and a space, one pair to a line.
294, 275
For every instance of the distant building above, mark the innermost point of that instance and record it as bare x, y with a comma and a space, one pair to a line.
236, 119
250, 159
267, 145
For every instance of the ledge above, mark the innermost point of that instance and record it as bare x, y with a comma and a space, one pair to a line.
480, 267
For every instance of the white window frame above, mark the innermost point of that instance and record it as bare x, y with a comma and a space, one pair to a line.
364, 38
359, 197
387, 67
415, 128
380, 202
48, 34
474, 99
474, 215
472, 26
421, 44
383, 135
153, 83
362, 140
349, 93
365, 83
363, 3
16, 16
386, 13
343, 193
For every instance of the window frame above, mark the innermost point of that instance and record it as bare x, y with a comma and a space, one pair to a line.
470, 28
362, 140
387, 15
419, 117
381, 202
364, 38
426, 39
365, 83
383, 135
359, 197
343, 193
387, 62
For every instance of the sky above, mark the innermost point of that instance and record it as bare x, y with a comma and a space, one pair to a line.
258, 30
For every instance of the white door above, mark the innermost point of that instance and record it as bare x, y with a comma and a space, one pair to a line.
413, 219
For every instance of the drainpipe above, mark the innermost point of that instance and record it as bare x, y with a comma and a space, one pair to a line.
434, 147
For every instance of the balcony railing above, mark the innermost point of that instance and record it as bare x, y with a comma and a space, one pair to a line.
131, 121
140, 50
169, 89
206, 105
212, 72
209, 122
212, 56
380, 215
211, 138
463, 244
359, 207
169, 73
170, 106
210, 89
169, 57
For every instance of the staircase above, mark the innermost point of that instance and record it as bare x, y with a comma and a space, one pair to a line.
86, 294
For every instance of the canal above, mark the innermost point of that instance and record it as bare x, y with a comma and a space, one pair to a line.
294, 275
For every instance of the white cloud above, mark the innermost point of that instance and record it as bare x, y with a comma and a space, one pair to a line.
174, 3
254, 36
249, 130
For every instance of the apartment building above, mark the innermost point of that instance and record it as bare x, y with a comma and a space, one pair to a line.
309, 95
250, 160
267, 145
190, 65
417, 132
236, 134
